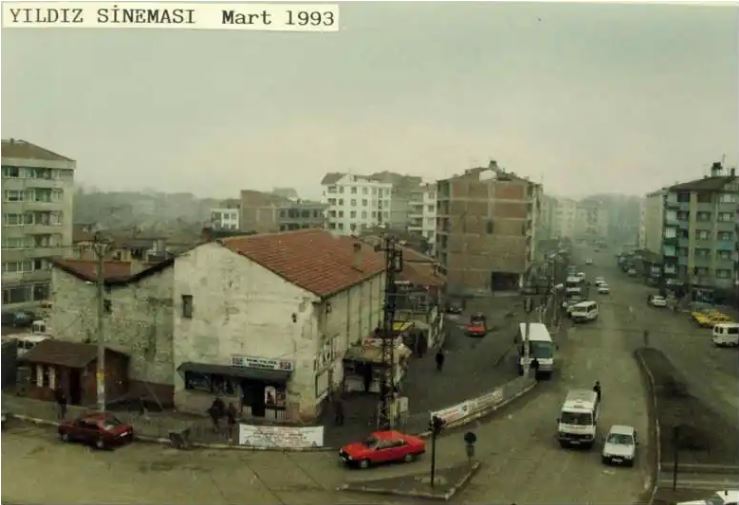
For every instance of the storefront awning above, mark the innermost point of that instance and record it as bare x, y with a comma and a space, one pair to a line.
237, 371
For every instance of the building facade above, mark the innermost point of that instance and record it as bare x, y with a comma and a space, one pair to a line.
224, 218
699, 242
270, 213
486, 229
355, 203
564, 217
266, 320
654, 217
38, 191
301, 214
138, 317
591, 221
422, 214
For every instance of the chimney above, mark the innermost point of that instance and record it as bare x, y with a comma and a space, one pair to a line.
357, 257
716, 169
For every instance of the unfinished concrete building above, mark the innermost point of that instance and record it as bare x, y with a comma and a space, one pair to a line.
486, 222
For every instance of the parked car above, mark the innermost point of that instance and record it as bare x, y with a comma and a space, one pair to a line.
620, 446
589, 261
657, 301
603, 289
632, 272
101, 429
383, 447
599, 280
725, 497
477, 327
726, 335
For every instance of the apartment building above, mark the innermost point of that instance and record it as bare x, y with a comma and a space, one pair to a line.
486, 222
301, 214
355, 202
38, 191
591, 220
653, 218
700, 227
224, 218
269, 213
422, 214
564, 215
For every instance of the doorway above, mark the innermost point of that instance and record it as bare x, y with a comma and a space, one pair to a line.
252, 394
74, 386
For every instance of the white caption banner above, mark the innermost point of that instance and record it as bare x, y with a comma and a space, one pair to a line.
281, 436
193, 16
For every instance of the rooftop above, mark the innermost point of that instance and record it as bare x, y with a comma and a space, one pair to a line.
17, 148
715, 183
114, 272
314, 259
59, 352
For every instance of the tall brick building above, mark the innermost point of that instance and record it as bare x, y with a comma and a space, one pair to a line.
486, 222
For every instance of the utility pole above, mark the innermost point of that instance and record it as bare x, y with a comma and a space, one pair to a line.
528, 307
99, 246
393, 265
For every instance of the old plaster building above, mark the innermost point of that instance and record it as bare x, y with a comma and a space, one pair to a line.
138, 317
265, 320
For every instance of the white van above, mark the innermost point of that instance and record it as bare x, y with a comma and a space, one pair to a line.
541, 347
726, 334
577, 423
584, 311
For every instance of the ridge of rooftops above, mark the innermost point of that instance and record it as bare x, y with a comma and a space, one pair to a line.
314, 259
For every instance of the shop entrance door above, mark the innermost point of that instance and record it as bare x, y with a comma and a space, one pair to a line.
253, 395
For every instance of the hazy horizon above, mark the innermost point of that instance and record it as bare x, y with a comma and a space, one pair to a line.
587, 99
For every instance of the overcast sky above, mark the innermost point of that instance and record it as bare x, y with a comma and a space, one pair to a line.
589, 98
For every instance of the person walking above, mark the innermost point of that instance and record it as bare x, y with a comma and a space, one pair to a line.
597, 390
440, 360
231, 415
535, 367
216, 412
61, 402
338, 410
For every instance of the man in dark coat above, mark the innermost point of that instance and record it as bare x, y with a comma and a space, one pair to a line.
597, 390
338, 410
61, 401
440, 360
535, 367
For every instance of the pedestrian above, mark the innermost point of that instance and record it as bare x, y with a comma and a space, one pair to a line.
216, 412
440, 360
231, 415
338, 410
646, 338
61, 401
535, 367
367, 377
597, 390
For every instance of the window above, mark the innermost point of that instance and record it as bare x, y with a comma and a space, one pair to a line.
12, 219
341, 189
700, 271
354, 202
353, 226
364, 203
727, 198
683, 197
364, 191
13, 195
332, 213
703, 216
11, 172
341, 201
305, 214
724, 255
316, 213
701, 234
353, 214
725, 235
430, 208
187, 306
282, 227
364, 214
341, 226
704, 197
374, 191
332, 226
341, 213
725, 217
332, 189
374, 213
354, 190
197, 381
702, 253
332, 201
283, 213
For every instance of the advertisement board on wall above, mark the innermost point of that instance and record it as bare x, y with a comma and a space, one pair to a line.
486, 401
263, 363
453, 413
281, 436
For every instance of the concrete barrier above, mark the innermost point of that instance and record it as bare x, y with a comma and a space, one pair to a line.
655, 418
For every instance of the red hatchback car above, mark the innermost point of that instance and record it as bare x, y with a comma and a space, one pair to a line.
383, 447
100, 429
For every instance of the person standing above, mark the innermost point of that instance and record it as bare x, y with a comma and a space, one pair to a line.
231, 415
597, 390
61, 401
440, 360
535, 367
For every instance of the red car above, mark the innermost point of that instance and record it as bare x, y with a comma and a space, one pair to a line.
100, 429
477, 326
383, 447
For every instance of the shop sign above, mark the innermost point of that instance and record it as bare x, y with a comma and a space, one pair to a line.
287, 437
454, 413
262, 363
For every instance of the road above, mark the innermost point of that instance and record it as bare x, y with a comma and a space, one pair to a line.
522, 460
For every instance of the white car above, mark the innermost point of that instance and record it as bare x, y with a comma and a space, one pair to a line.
657, 301
581, 275
589, 261
620, 446
599, 281
725, 497
603, 289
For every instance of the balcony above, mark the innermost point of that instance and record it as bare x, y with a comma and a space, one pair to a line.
36, 276
669, 250
671, 203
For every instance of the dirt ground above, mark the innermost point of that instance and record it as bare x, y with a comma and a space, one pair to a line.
705, 437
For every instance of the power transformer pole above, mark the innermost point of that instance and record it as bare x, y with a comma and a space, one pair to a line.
99, 247
393, 265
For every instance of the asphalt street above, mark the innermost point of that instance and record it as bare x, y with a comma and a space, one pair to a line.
521, 458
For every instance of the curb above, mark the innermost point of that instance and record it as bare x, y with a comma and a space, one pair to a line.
658, 451
415, 494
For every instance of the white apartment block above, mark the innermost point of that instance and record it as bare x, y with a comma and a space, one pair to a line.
564, 217
38, 192
422, 213
225, 219
355, 203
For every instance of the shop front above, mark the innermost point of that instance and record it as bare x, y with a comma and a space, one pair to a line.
364, 368
256, 386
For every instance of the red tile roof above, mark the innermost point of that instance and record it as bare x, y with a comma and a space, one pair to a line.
314, 259
87, 270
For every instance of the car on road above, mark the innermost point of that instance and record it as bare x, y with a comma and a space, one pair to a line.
100, 429
620, 445
657, 301
477, 327
581, 275
725, 497
631, 272
726, 335
383, 447
599, 280
584, 311
454, 307
604, 289
589, 261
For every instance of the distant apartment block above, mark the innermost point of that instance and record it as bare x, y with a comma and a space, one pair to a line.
591, 220
700, 227
564, 217
653, 219
486, 222
355, 203
225, 218
422, 213
269, 213
38, 192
